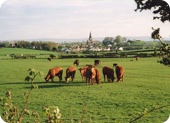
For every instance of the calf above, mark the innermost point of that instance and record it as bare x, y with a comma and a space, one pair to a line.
109, 72
83, 72
70, 72
119, 72
57, 71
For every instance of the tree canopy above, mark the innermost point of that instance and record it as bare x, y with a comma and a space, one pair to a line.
160, 8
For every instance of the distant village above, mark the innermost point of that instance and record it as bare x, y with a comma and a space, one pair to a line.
108, 44
89, 45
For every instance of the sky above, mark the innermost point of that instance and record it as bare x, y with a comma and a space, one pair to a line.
65, 19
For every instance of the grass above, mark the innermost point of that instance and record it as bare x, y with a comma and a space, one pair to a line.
5, 52
146, 84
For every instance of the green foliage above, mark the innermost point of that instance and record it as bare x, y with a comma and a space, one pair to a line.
107, 41
53, 114
32, 74
160, 8
11, 112
52, 56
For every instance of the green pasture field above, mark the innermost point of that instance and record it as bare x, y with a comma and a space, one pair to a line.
146, 85
5, 52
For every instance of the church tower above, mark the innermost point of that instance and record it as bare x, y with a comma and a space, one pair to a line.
90, 40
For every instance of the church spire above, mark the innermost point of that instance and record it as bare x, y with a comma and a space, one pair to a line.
90, 37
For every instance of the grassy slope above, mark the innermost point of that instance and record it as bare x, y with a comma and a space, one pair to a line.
5, 52
146, 84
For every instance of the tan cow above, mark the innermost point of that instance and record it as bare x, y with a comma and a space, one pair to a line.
57, 71
70, 72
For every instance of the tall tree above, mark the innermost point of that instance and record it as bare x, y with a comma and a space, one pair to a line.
160, 8
107, 41
118, 39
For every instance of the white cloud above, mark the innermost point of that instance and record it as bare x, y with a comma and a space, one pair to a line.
1, 2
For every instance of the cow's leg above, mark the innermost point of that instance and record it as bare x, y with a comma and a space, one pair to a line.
104, 78
87, 80
52, 78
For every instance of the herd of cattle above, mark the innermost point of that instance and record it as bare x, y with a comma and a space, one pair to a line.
89, 73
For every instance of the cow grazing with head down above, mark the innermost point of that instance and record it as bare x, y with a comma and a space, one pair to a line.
76, 62
70, 72
57, 71
119, 72
83, 72
97, 62
92, 75
109, 73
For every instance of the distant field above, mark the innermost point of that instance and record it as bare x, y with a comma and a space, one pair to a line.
5, 52
146, 84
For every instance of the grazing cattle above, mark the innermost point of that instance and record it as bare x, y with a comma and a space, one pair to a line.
109, 72
119, 72
92, 75
83, 72
70, 72
49, 59
57, 71
137, 58
97, 76
97, 62
76, 62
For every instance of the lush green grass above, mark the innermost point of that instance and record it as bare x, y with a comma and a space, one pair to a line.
5, 52
146, 84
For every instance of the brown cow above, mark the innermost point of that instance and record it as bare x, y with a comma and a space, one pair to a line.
92, 75
109, 72
97, 76
70, 72
119, 72
97, 62
76, 62
83, 72
57, 71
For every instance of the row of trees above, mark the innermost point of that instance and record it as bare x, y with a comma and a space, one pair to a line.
50, 46
114, 41
107, 42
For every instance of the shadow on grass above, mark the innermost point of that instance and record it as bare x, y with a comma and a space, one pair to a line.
14, 83
57, 84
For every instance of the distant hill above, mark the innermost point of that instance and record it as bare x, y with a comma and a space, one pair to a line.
62, 40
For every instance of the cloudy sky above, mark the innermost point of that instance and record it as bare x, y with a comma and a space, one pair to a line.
29, 19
